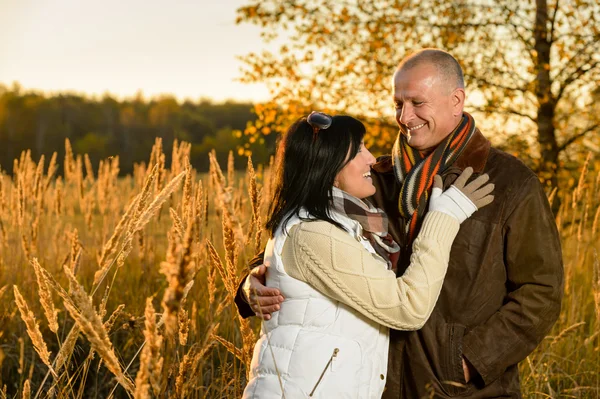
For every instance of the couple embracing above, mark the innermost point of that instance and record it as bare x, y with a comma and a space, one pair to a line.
402, 277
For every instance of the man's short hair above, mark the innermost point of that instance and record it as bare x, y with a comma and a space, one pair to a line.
445, 63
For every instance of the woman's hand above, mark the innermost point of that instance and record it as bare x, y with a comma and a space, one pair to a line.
461, 199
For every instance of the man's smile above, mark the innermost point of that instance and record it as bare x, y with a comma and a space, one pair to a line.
417, 127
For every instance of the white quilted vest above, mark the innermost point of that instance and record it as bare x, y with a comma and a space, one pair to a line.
316, 347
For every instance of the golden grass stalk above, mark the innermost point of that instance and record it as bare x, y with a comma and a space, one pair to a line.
199, 209
582, 176
566, 332
21, 369
228, 280
37, 179
21, 200
178, 273
69, 165
51, 170
140, 174
186, 202
26, 390
184, 367
75, 250
33, 330
109, 324
177, 223
248, 341
110, 247
230, 170
158, 201
231, 348
175, 165
142, 246
552, 195
211, 283
82, 310
231, 248
144, 196
582, 223
89, 170
57, 197
89, 209
184, 321
104, 186
193, 324
154, 154
67, 347
596, 221
254, 193
26, 246
45, 296
192, 360
184, 324
151, 361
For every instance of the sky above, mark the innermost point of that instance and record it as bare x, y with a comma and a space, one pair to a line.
187, 48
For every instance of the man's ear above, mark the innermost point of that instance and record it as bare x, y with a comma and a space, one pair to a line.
458, 101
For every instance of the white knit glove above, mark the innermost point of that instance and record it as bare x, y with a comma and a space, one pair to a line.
461, 201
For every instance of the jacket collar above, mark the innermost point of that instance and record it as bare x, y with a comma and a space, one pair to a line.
474, 155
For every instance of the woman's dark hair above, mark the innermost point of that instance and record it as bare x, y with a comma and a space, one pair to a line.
307, 165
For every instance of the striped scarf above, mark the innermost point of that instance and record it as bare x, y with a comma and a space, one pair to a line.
374, 223
415, 172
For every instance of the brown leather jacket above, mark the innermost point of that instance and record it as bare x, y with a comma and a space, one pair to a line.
501, 294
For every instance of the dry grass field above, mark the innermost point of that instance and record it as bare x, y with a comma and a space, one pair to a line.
123, 287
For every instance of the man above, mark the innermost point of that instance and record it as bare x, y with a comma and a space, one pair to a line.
503, 287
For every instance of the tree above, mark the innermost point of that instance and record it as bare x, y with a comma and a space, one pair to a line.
530, 67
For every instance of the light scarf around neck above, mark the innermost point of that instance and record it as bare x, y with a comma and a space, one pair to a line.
415, 172
374, 223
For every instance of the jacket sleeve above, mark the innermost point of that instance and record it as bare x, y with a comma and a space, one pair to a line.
243, 307
534, 270
339, 266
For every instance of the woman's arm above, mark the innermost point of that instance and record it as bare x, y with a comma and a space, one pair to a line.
339, 266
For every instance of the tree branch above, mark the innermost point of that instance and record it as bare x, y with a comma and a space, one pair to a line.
497, 85
516, 30
552, 21
571, 140
577, 74
507, 111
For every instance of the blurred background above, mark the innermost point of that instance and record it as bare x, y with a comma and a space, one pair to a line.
111, 76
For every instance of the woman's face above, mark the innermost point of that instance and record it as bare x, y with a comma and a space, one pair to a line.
355, 177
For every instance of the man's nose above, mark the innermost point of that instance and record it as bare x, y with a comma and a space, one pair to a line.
405, 114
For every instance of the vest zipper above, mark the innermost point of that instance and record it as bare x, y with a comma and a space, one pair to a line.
333, 355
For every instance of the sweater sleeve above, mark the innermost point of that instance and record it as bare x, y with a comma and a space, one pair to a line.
339, 266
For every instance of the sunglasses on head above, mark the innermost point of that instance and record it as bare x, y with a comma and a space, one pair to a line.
319, 121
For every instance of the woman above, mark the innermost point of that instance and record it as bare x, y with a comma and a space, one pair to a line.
331, 257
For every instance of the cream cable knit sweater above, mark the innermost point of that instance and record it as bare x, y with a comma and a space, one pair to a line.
337, 265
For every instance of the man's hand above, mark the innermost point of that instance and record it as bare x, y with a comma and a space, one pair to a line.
263, 300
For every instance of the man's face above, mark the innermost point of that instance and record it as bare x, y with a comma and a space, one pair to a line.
427, 109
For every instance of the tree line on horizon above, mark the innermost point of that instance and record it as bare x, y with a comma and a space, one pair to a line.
105, 127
